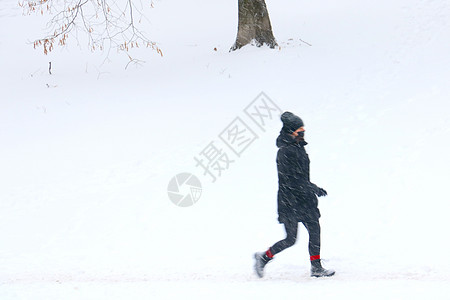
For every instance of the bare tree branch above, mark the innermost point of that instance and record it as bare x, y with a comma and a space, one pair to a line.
106, 23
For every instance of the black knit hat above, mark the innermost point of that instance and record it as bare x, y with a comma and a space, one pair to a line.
291, 122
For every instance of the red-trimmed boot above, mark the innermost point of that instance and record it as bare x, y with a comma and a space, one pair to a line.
318, 271
261, 259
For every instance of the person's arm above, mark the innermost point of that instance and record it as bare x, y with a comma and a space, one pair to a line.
290, 168
318, 190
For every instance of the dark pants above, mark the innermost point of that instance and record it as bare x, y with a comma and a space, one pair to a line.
291, 227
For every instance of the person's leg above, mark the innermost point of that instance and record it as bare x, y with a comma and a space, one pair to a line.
291, 228
262, 258
313, 228
314, 250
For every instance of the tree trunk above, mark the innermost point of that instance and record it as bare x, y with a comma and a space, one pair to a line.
254, 25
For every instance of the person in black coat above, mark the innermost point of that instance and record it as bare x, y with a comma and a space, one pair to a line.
297, 196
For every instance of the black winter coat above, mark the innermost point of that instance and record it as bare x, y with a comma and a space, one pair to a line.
297, 200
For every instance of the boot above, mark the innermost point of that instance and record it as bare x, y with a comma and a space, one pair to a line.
261, 259
318, 271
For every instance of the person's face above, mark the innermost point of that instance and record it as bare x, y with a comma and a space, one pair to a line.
301, 129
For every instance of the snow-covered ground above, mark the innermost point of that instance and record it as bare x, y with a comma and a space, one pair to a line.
87, 154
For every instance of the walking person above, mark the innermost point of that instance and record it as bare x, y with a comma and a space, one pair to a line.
297, 196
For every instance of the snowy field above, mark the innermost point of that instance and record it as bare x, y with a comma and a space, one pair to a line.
87, 154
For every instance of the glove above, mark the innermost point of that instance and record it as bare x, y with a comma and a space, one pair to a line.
320, 192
